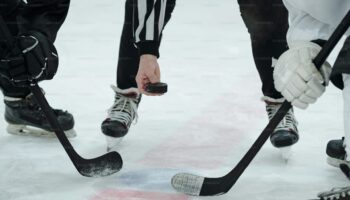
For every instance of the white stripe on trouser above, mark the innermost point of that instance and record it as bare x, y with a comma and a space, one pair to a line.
142, 10
346, 99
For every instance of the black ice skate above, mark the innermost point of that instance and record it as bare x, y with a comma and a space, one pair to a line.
341, 193
337, 157
336, 152
120, 115
25, 117
286, 133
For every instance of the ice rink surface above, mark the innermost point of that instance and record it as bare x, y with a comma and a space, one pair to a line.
204, 124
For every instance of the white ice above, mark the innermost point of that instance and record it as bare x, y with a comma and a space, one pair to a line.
203, 125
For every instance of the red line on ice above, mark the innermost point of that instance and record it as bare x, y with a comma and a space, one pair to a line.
115, 194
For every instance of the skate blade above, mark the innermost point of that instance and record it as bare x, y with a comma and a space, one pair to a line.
24, 130
335, 162
286, 153
112, 142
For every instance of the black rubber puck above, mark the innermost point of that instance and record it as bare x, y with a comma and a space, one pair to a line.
157, 88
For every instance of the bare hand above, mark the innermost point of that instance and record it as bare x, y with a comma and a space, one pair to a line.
149, 72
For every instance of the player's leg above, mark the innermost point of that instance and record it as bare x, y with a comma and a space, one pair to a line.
346, 97
127, 97
22, 113
267, 23
338, 150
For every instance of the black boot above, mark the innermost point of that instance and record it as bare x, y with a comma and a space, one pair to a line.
336, 152
25, 117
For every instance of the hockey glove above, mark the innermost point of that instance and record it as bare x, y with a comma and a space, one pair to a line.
297, 78
32, 57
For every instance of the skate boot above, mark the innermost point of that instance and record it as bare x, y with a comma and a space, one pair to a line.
120, 115
337, 156
25, 117
341, 193
286, 133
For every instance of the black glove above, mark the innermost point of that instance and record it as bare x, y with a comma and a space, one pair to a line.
32, 57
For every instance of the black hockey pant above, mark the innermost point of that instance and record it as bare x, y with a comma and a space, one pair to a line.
46, 16
341, 65
267, 23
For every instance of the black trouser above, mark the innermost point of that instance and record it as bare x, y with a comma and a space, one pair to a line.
267, 23
45, 16
341, 65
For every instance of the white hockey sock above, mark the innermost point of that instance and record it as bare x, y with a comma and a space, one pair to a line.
346, 99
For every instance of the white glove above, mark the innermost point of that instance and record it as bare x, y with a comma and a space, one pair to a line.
297, 78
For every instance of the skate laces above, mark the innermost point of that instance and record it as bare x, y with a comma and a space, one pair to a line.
287, 123
124, 108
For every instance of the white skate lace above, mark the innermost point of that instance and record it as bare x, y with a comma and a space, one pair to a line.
124, 108
288, 122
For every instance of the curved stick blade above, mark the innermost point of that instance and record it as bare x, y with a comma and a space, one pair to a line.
187, 183
105, 165
194, 185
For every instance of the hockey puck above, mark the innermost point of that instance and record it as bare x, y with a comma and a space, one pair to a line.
157, 88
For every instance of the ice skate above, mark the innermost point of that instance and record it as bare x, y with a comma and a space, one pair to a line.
337, 156
120, 115
286, 133
341, 193
25, 117
336, 152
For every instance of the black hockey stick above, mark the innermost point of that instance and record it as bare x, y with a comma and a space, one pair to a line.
202, 186
101, 166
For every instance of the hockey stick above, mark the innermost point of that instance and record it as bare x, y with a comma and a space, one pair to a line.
202, 186
104, 165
